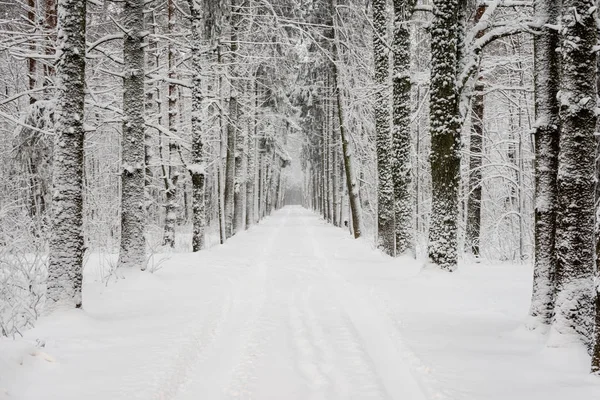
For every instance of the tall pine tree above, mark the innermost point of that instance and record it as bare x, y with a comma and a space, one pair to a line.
546, 136
445, 128
401, 168
575, 246
133, 244
385, 187
65, 264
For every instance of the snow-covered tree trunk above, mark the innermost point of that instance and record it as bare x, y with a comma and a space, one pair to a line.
50, 20
445, 125
250, 172
385, 189
65, 264
347, 153
596, 349
196, 168
401, 137
252, 163
473, 228
335, 163
172, 177
326, 161
260, 196
232, 119
239, 192
239, 184
271, 180
152, 109
32, 61
575, 246
546, 136
133, 245
321, 169
230, 164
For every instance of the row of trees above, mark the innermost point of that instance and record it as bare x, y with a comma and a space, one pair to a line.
234, 107
157, 118
387, 113
464, 39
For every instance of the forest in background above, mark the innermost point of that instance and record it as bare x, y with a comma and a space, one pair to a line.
411, 123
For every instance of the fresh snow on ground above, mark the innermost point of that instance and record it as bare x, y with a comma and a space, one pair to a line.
295, 309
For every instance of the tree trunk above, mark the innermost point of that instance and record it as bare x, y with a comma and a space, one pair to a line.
230, 165
65, 263
133, 245
575, 268
197, 168
401, 164
385, 188
445, 125
270, 185
546, 136
172, 178
260, 196
473, 229
31, 61
239, 193
239, 189
251, 172
596, 350
50, 19
349, 161
152, 109
327, 161
334, 166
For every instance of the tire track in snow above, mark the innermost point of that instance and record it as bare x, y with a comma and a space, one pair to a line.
257, 331
226, 368
423, 373
191, 351
355, 376
330, 352
309, 355
368, 337
204, 346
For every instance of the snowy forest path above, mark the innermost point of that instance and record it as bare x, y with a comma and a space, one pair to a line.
304, 333
271, 314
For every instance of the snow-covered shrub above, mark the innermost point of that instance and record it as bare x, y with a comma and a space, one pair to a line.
22, 273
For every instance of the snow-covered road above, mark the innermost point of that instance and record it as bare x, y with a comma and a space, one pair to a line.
296, 330
294, 309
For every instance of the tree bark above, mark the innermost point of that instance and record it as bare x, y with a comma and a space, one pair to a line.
386, 239
473, 229
197, 168
596, 349
575, 248
133, 245
31, 61
401, 136
65, 263
445, 125
349, 160
334, 165
252, 163
546, 136
230, 165
239, 192
172, 178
